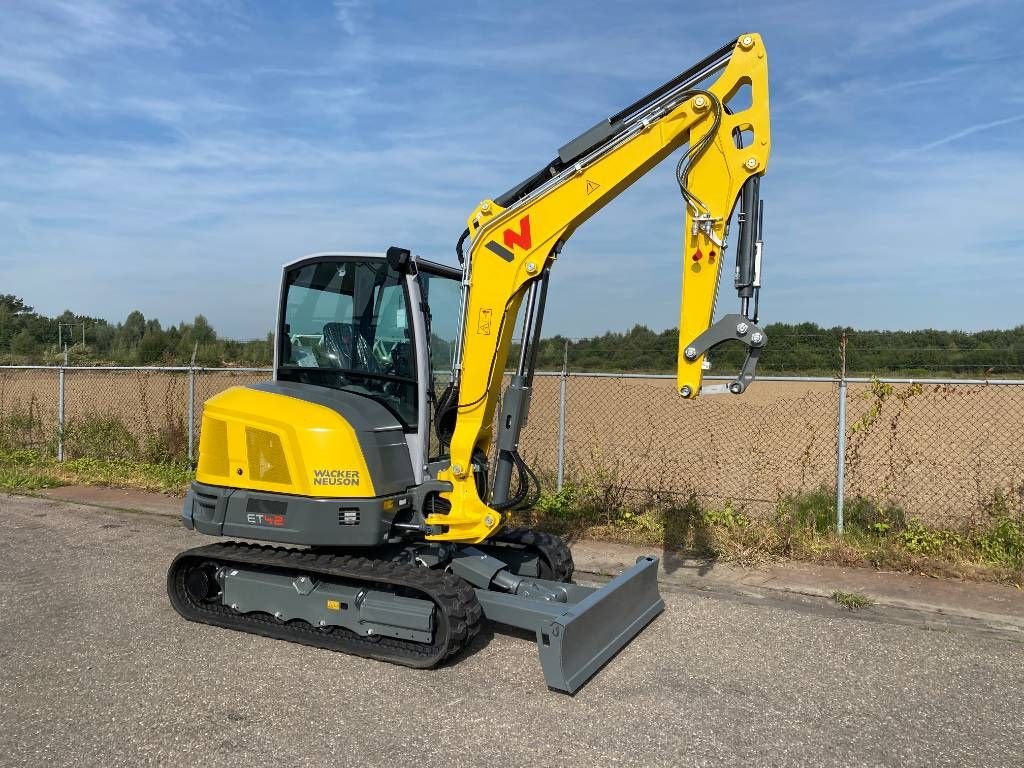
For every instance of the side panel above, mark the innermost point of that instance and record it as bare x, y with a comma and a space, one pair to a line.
303, 440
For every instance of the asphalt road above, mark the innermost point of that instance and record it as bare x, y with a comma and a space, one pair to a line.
97, 669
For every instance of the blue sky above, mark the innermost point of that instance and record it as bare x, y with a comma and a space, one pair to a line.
171, 156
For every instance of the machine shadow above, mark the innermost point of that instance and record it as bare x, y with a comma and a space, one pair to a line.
687, 543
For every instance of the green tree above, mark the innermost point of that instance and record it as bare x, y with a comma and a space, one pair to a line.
202, 332
24, 342
130, 333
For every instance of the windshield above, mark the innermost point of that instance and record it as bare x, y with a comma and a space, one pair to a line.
346, 326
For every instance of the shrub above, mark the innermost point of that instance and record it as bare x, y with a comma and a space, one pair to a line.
99, 437
22, 427
168, 442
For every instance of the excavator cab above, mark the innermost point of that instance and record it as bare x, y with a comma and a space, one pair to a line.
384, 453
347, 414
362, 324
347, 324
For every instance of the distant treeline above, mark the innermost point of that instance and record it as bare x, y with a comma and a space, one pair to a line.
29, 337
803, 348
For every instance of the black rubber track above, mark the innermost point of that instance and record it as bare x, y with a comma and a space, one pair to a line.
550, 547
459, 614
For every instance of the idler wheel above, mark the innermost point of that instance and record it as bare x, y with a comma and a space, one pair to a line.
201, 583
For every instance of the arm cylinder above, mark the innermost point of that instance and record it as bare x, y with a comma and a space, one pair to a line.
746, 272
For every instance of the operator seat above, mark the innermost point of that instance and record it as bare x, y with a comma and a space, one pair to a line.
338, 343
340, 340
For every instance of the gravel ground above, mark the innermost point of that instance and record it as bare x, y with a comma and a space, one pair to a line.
97, 669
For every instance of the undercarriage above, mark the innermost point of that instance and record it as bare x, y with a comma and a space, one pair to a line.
417, 605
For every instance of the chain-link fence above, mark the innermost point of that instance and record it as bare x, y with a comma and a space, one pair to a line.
947, 452
150, 414
29, 404
636, 437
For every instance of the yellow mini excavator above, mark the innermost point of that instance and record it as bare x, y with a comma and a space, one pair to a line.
382, 459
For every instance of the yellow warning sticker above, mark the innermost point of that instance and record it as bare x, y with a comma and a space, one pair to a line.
333, 605
483, 324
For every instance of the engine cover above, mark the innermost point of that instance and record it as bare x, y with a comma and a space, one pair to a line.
302, 440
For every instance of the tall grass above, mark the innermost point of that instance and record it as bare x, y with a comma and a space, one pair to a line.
798, 527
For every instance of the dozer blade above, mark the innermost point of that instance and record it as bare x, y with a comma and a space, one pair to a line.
575, 638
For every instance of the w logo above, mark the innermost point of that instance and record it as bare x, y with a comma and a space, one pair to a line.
512, 239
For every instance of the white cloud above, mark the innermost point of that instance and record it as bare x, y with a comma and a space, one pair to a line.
907, 28
349, 14
961, 134
43, 41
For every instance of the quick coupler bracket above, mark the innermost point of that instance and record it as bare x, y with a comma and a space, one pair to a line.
730, 328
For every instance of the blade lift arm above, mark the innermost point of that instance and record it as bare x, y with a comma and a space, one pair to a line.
515, 239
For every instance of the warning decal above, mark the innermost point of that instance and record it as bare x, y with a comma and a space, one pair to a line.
483, 323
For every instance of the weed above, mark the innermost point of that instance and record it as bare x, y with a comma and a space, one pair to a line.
558, 504
23, 457
21, 479
862, 428
25, 470
863, 513
1003, 543
815, 510
801, 527
22, 426
852, 601
726, 517
173, 477
919, 539
99, 437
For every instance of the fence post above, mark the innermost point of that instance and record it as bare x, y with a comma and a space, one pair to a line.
191, 413
841, 439
192, 405
561, 416
60, 412
841, 457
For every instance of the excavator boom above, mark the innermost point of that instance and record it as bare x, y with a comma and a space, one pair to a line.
517, 237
